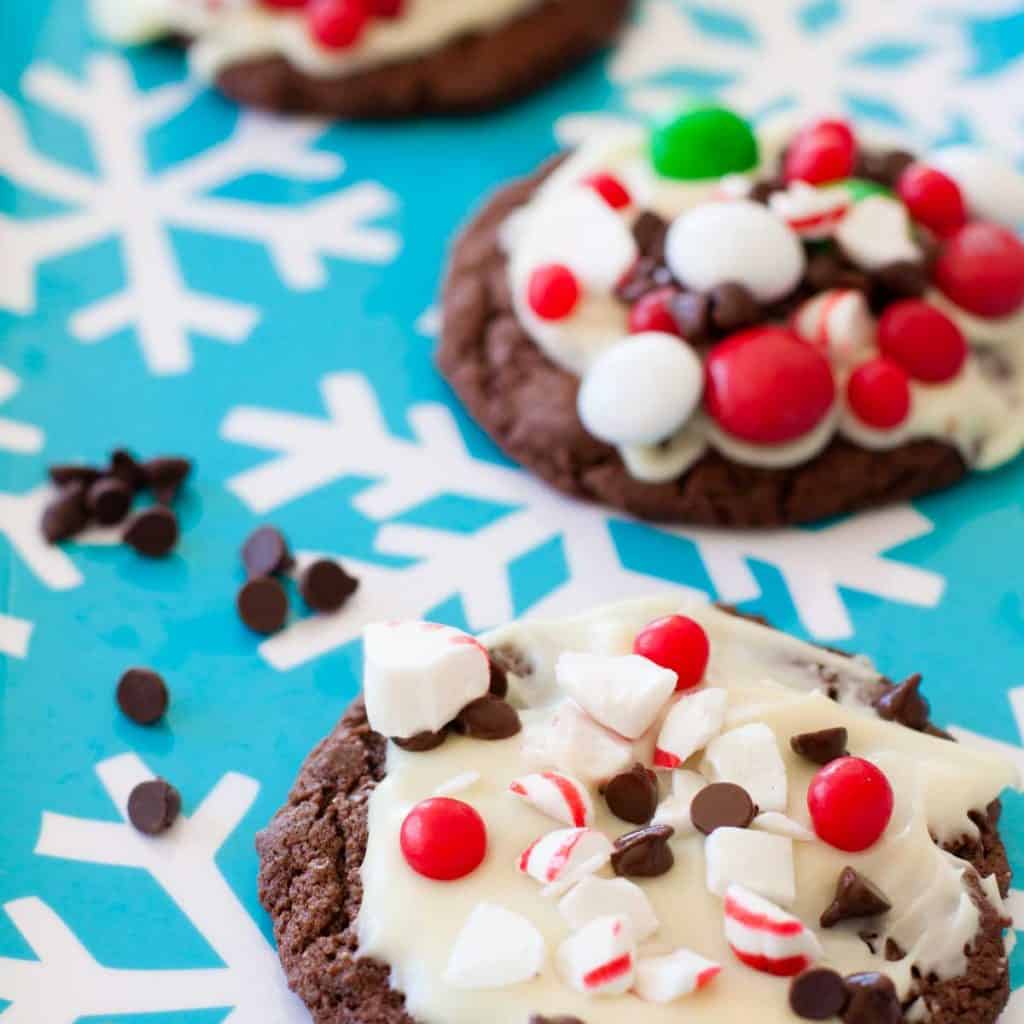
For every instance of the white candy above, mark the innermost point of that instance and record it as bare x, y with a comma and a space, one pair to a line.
876, 232
674, 810
749, 756
557, 795
640, 390
766, 938
495, 949
991, 185
694, 720
600, 959
624, 693
742, 242
812, 213
758, 861
838, 321
603, 897
560, 855
572, 742
418, 676
664, 979
782, 825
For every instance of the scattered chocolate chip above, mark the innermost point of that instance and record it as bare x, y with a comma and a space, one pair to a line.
325, 586
882, 166
818, 994
649, 232
422, 741
265, 552
109, 500
873, 1000
902, 280
153, 532
488, 718
263, 605
893, 951
904, 704
153, 806
828, 269
855, 897
732, 307
165, 475
822, 746
870, 939
722, 805
499, 681
538, 1019
142, 695
66, 515
633, 795
637, 282
73, 474
763, 190
692, 314
126, 467
644, 853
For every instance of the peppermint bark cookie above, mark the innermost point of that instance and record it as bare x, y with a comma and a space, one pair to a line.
373, 58
696, 324
642, 813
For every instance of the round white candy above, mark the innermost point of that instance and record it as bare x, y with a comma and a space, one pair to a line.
992, 186
641, 390
742, 242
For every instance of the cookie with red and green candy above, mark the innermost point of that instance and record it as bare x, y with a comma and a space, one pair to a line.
667, 813
372, 58
698, 323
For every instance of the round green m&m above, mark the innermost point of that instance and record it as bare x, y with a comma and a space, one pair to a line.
861, 188
703, 142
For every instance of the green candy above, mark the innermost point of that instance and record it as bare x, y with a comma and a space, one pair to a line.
704, 142
861, 188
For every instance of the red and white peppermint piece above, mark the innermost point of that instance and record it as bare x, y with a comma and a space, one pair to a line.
625, 693
600, 959
603, 897
573, 743
417, 676
557, 795
695, 719
767, 938
838, 321
749, 756
495, 949
664, 979
876, 232
564, 854
759, 861
812, 213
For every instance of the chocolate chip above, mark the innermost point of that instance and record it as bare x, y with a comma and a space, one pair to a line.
488, 718
732, 307
822, 746
829, 270
893, 951
142, 695
882, 166
633, 795
692, 314
263, 605
325, 586
763, 190
153, 532
265, 552
644, 853
855, 897
873, 1000
422, 741
165, 475
722, 805
637, 282
904, 704
69, 473
538, 1019
818, 994
870, 939
126, 467
649, 231
66, 515
901, 280
109, 500
499, 681
153, 806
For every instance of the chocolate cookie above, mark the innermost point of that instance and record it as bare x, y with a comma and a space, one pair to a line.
311, 884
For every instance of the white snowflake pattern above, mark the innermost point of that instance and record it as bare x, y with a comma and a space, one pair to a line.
183, 864
128, 201
352, 440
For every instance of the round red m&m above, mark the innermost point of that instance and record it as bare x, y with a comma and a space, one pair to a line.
878, 393
337, 24
610, 189
981, 269
653, 312
923, 340
768, 386
553, 291
933, 199
443, 839
851, 802
822, 153
677, 643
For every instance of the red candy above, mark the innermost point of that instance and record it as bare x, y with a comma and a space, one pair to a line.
878, 392
385, 8
934, 199
676, 643
923, 340
285, 5
767, 386
337, 24
851, 802
443, 839
553, 291
610, 189
653, 312
981, 269
822, 153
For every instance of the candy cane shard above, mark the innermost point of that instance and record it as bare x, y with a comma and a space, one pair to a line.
759, 861
558, 795
838, 321
603, 897
693, 721
749, 756
765, 937
664, 979
575, 744
599, 959
495, 949
560, 854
